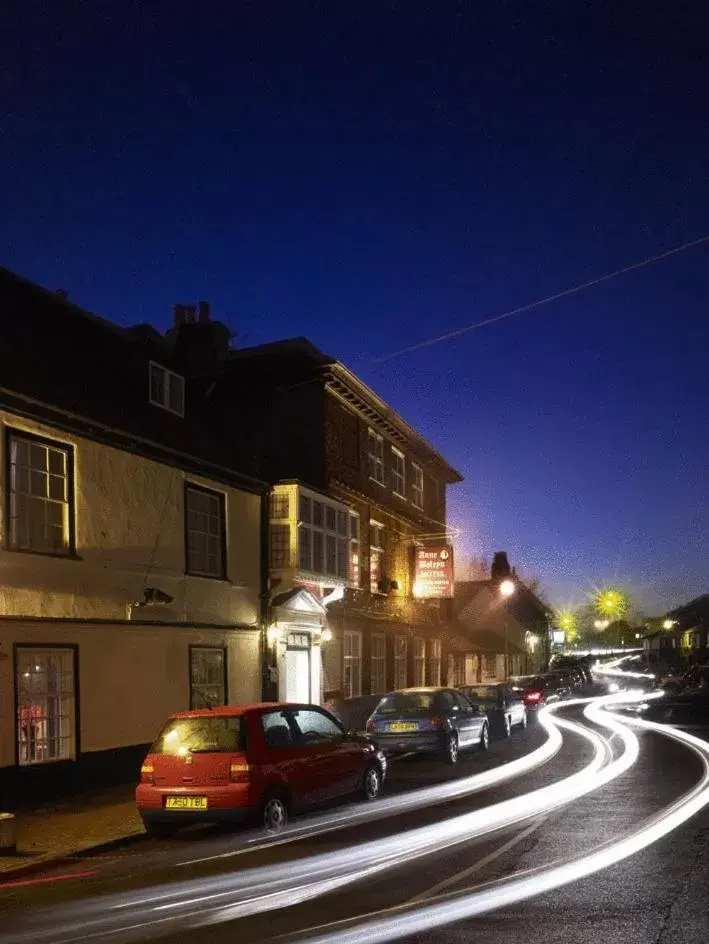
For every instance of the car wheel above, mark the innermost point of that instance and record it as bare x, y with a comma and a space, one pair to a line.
274, 812
507, 729
160, 830
371, 784
524, 720
485, 738
450, 751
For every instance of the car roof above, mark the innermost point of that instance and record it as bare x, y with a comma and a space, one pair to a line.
232, 711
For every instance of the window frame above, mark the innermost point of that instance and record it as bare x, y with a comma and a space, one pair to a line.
355, 550
221, 498
76, 719
435, 657
225, 674
401, 661
398, 455
349, 659
419, 662
376, 553
375, 459
417, 492
373, 675
330, 521
164, 404
12, 432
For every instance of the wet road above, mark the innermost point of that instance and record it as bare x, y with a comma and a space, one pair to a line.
657, 896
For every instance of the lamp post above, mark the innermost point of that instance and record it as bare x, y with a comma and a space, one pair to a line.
507, 588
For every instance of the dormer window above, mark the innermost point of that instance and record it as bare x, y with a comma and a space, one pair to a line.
167, 389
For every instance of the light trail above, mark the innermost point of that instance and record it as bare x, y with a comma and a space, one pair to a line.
396, 923
224, 898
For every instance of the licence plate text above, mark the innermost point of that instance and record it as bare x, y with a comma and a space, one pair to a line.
403, 726
186, 803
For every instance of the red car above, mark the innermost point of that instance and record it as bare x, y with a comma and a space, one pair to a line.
258, 761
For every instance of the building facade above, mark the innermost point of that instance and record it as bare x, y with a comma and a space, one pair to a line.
131, 557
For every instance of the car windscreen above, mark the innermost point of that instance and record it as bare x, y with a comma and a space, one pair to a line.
404, 703
201, 736
481, 691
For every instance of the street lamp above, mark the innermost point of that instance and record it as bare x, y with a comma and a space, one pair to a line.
669, 624
601, 624
507, 588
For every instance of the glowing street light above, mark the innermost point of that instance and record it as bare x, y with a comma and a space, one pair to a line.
507, 588
669, 624
601, 624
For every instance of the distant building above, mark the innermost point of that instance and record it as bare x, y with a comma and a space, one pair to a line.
131, 549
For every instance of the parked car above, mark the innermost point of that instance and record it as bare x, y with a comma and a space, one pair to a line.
259, 761
428, 721
536, 691
503, 707
685, 709
563, 682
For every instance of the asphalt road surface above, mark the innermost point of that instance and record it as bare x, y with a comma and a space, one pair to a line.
422, 891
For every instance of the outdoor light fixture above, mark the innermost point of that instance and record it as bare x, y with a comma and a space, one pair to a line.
273, 634
326, 635
668, 624
507, 588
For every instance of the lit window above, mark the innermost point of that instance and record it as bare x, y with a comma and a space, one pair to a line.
207, 677
279, 505
280, 545
41, 495
352, 667
376, 555
417, 485
398, 472
354, 549
489, 667
46, 705
401, 654
167, 389
378, 664
419, 661
323, 538
376, 457
434, 662
204, 531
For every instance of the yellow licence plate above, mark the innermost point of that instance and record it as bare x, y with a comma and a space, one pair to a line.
403, 726
186, 803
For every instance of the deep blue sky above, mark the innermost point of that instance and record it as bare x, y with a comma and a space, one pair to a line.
372, 174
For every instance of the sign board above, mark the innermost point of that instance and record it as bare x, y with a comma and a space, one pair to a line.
433, 572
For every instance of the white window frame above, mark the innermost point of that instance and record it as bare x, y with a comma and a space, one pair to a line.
376, 555
333, 537
172, 383
434, 661
401, 657
45, 720
416, 485
355, 550
378, 664
283, 547
419, 655
398, 475
351, 664
212, 692
212, 531
375, 450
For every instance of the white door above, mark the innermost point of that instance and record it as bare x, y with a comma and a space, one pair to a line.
295, 679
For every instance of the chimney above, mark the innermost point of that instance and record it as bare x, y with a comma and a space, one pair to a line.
178, 315
204, 313
63, 294
190, 314
500, 569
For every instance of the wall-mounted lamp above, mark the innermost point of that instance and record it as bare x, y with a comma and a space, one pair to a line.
273, 634
326, 635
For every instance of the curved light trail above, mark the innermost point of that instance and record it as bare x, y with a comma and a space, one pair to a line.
227, 897
398, 922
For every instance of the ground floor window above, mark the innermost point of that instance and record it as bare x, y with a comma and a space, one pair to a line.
208, 687
46, 704
401, 654
352, 667
458, 669
419, 661
489, 666
378, 664
434, 662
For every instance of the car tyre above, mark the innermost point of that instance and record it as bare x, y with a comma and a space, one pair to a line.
160, 830
451, 749
371, 783
274, 811
485, 738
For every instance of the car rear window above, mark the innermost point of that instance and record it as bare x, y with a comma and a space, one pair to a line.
202, 736
406, 703
527, 681
481, 691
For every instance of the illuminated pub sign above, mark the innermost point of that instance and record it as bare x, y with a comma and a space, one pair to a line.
433, 572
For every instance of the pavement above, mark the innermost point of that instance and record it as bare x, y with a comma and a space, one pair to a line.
71, 827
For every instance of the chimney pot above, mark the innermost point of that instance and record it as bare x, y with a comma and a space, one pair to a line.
204, 312
178, 315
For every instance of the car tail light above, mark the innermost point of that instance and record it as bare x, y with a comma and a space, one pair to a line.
533, 696
240, 772
147, 772
437, 722
371, 725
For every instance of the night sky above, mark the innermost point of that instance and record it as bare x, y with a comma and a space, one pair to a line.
370, 175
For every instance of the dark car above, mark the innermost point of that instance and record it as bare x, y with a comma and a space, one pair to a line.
690, 709
503, 707
263, 760
536, 691
563, 682
428, 721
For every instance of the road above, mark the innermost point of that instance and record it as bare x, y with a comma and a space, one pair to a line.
653, 897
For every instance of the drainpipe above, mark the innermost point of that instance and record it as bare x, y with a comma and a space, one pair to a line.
264, 601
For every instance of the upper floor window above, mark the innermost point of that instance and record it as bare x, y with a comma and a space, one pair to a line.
205, 536
323, 538
376, 457
167, 389
376, 555
354, 549
41, 495
398, 472
417, 485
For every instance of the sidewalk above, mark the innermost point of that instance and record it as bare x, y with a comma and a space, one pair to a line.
67, 827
